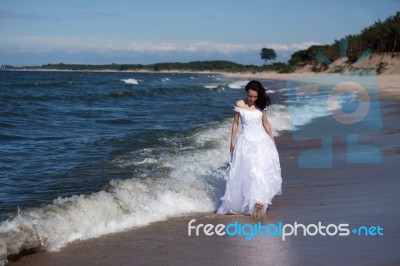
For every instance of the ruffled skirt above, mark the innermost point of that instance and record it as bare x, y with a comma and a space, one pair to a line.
254, 175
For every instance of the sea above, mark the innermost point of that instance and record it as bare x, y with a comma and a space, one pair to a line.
84, 154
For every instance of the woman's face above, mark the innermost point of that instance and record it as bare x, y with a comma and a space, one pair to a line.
252, 96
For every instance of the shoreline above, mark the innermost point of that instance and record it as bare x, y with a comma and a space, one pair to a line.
388, 84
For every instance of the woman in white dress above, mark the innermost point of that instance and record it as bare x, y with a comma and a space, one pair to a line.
254, 172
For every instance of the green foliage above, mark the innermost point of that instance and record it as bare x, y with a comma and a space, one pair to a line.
381, 37
278, 67
304, 57
199, 65
217, 65
319, 68
80, 67
267, 54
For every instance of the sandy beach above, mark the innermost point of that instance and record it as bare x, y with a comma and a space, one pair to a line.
353, 194
388, 85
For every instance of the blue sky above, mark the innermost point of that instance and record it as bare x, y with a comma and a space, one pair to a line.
149, 31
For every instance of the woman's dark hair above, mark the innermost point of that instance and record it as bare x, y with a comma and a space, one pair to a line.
263, 99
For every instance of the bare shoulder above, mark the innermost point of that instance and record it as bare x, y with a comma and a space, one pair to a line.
240, 104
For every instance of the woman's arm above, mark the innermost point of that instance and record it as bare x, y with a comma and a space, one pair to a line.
235, 125
267, 127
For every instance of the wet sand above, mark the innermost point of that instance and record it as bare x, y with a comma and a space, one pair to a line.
355, 194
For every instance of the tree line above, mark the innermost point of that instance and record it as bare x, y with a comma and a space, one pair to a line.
381, 37
189, 66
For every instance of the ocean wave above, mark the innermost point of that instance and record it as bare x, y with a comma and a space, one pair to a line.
6, 125
12, 137
35, 84
130, 81
191, 181
146, 161
279, 118
217, 87
117, 121
211, 86
240, 84
141, 93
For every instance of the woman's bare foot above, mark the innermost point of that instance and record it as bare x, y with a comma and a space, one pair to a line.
258, 210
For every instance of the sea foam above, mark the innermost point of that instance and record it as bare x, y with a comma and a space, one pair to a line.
130, 81
239, 84
191, 181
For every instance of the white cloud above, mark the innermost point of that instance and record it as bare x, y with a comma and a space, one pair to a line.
222, 48
292, 47
76, 45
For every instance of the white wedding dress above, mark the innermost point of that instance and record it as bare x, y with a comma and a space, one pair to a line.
254, 172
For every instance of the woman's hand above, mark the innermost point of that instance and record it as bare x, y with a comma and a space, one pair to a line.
232, 146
